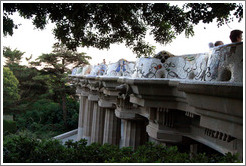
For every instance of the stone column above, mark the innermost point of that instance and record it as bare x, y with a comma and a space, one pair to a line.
134, 133
97, 124
111, 128
82, 108
88, 115
121, 133
88, 120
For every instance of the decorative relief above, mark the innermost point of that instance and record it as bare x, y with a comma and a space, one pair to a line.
218, 135
189, 114
123, 99
124, 103
164, 117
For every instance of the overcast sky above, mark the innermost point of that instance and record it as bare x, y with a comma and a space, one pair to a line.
35, 42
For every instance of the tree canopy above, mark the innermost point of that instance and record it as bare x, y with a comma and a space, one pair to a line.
38, 95
30, 84
55, 65
101, 24
60, 59
10, 90
12, 56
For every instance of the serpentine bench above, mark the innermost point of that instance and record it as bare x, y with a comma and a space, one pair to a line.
197, 96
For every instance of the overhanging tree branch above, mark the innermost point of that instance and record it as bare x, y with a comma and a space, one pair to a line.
102, 24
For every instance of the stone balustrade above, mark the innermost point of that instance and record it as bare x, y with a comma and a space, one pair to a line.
197, 97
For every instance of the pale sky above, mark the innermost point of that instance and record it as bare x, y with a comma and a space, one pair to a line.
35, 42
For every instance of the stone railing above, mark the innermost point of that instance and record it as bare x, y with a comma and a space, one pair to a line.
183, 100
71, 135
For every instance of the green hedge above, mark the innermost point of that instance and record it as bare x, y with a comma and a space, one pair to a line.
24, 149
9, 127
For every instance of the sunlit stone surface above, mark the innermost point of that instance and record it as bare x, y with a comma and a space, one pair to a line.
166, 99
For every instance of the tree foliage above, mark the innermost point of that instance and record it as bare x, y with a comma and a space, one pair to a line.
45, 119
12, 56
60, 59
207, 12
32, 86
9, 127
55, 65
41, 91
10, 90
101, 24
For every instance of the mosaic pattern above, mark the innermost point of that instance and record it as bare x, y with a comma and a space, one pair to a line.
81, 70
98, 70
74, 71
77, 71
120, 68
86, 70
186, 67
225, 64
147, 68
222, 64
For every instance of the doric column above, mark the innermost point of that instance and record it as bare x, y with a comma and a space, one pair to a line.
111, 128
88, 116
88, 120
97, 124
82, 107
82, 91
133, 127
134, 133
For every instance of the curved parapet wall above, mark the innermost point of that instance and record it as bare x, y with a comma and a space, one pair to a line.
80, 71
191, 67
86, 70
226, 63
74, 71
121, 68
98, 70
147, 68
223, 64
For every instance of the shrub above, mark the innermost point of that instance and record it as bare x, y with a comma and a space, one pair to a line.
25, 148
76, 152
18, 149
45, 118
9, 127
158, 153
